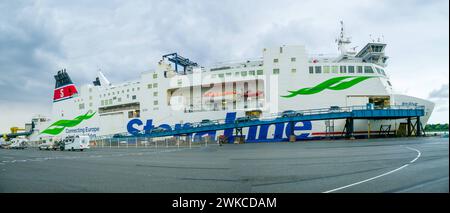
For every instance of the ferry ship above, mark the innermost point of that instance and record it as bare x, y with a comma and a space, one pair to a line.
181, 92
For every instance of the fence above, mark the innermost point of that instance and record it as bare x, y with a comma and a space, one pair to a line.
143, 142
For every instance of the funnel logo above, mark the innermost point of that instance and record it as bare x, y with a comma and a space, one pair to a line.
64, 92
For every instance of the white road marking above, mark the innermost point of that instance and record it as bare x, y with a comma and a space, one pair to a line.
378, 176
418, 154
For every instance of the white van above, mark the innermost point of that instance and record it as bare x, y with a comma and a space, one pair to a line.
18, 143
73, 143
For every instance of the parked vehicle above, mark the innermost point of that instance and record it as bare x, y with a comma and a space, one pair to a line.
119, 135
73, 143
18, 143
245, 119
334, 109
206, 122
290, 113
49, 145
158, 129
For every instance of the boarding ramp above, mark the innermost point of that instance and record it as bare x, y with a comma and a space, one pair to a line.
348, 113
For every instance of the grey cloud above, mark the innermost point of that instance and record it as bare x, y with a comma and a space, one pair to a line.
441, 93
124, 38
26, 45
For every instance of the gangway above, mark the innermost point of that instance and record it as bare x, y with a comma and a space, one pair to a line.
348, 113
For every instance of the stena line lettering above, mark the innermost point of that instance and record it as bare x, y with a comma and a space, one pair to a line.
259, 133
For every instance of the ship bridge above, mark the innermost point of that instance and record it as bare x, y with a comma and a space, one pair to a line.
373, 53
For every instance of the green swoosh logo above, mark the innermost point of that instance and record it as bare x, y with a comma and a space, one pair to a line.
337, 83
60, 125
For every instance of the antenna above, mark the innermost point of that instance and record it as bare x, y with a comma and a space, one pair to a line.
342, 41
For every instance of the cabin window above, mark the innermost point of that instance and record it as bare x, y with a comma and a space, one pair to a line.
110, 101
318, 69
155, 75
244, 73
155, 102
81, 106
311, 70
133, 97
90, 104
326, 69
343, 69
213, 76
119, 99
138, 88
102, 102
276, 71
251, 72
155, 85
228, 74
132, 89
334, 69
293, 70
221, 75
236, 73
360, 69
155, 94
368, 69
149, 86
275, 60
293, 59
260, 72
351, 69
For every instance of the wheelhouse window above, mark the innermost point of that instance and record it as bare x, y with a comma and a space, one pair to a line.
334, 69
260, 72
326, 69
351, 69
276, 71
368, 69
343, 69
360, 69
378, 70
311, 70
318, 69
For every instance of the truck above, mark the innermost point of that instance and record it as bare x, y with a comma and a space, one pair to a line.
72, 143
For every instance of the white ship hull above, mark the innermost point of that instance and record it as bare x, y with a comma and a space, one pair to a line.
286, 78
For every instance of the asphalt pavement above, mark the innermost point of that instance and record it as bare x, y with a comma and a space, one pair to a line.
377, 165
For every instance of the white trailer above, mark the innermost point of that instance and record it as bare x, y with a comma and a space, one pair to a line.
73, 143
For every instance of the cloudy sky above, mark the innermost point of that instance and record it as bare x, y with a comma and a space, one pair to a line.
124, 38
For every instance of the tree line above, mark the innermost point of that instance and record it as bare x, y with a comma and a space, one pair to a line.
436, 127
